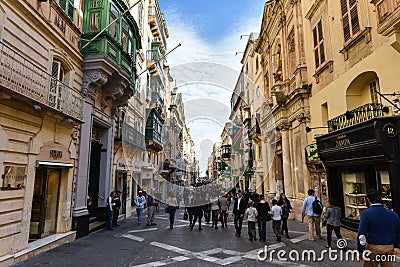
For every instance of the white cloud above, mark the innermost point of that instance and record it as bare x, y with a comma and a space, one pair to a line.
220, 80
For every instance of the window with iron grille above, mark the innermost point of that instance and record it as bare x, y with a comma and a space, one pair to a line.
319, 50
68, 7
56, 85
351, 24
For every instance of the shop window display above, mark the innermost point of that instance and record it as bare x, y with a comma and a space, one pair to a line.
354, 188
384, 185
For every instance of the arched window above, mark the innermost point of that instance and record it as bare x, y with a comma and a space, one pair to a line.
362, 90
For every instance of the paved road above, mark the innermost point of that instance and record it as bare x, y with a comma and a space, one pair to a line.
133, 245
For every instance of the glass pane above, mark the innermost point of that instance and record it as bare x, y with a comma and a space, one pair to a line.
320, 31
124, 41
37, 205
354, 189
316, 58
113, 28
315, 37
114, 11
53, 185
322, 52
94, 22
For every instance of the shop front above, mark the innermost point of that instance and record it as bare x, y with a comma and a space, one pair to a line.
358, 158
53, 179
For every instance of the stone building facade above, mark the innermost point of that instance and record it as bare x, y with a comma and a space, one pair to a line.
41, 110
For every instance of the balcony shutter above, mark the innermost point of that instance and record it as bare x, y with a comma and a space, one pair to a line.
346, 28
355, 25
63, 4
343, 4
70, 10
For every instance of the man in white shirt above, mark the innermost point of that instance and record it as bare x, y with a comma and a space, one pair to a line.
110, 210
140, 201
276, 212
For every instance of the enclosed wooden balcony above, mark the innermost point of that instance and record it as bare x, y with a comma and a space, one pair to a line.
388, 12
157, 26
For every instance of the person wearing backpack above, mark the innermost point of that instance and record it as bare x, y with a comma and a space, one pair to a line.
314, 209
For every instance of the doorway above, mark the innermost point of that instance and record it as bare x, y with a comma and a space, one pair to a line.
122, 187
94, 177
45, 203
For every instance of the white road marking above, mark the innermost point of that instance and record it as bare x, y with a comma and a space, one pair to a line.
143, 230
136, 238
299, 239
163, 262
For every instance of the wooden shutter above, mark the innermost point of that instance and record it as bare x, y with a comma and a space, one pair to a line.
70, 9
355, 25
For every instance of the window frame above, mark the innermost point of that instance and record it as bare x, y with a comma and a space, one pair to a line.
350, 19
318, 45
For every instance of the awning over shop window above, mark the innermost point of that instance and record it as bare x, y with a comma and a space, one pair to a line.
54, 164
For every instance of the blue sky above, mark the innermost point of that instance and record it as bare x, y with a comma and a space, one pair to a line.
209, 32
214, 19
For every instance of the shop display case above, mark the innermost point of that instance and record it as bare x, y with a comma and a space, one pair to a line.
355, 199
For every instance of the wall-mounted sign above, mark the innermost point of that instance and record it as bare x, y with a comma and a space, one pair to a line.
390, 130
54, 152
14, 177
348, 138
311, 153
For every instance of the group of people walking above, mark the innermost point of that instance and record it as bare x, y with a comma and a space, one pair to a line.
379, 229
258, 211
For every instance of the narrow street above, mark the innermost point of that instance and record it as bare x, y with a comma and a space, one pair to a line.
133, 245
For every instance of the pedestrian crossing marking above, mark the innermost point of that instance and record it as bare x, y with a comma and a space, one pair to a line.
136, 238
142, 230
163, 262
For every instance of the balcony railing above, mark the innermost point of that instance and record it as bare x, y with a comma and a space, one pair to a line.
20, 75
355, 116
133, 137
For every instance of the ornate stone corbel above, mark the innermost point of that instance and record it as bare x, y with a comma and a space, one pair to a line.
91, 81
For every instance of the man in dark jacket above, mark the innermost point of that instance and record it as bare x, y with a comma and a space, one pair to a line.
116, 207
239, 208
379, 231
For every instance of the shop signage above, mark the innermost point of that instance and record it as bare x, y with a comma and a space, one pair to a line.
56, 154
342, 140
121, 165
311, 153
390, 130
347, 138
14, 177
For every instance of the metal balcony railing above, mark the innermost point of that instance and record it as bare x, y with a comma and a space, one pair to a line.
131, 136
355, 116
20, 75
